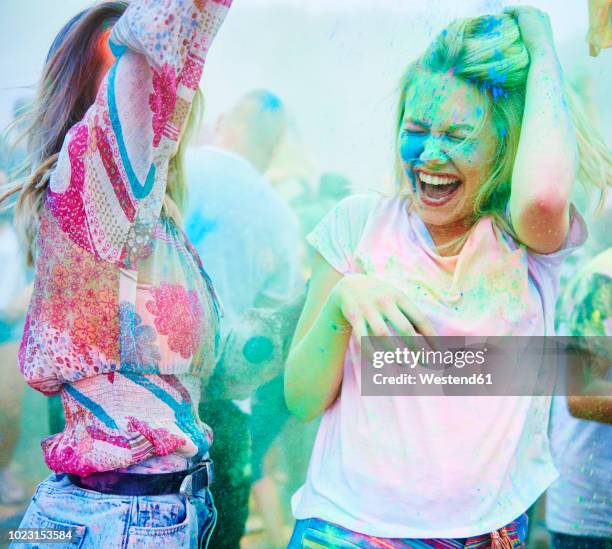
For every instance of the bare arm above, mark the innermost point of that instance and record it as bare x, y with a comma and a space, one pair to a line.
592, 400
336, 307
589, 310
547, 160
313, 373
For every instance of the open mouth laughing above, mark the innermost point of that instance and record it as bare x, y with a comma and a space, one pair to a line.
437, 189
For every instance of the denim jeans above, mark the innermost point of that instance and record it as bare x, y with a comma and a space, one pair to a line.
316, 533
101, 520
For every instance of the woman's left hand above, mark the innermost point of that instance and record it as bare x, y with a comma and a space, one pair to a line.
535, 28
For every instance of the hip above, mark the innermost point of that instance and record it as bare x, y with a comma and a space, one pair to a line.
94, 519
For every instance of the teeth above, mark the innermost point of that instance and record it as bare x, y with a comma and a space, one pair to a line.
436, 180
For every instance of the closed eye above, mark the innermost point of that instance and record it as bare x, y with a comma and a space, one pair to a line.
415, 130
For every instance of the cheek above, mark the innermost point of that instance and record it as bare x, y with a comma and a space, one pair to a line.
474, 160
411, 148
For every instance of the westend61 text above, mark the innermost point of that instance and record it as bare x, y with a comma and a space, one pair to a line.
432, 379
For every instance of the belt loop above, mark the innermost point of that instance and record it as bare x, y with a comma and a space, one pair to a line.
192, 484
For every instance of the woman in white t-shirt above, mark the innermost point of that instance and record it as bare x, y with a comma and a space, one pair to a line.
484, 136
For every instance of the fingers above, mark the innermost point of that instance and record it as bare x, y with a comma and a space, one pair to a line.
399, 320
377, 324
360, 330
418, 320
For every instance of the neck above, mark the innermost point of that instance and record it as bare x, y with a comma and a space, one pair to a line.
443, 235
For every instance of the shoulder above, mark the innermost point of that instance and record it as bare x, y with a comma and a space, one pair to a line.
215, 175
358, 208
338, 235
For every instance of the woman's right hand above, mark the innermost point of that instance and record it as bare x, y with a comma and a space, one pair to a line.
368, 305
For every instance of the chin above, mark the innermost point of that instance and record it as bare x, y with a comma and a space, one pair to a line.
437, 217
447, 214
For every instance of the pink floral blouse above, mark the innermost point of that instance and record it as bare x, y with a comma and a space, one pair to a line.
123, 321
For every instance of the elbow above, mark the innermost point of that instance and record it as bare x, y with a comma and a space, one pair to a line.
301, 413
297, 403
551, 198
542, 221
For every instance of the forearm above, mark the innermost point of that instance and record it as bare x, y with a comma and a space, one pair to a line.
591, 408
313, 373
546, 161
589, 389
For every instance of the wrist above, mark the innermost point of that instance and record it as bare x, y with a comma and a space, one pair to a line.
333, 312
542, 52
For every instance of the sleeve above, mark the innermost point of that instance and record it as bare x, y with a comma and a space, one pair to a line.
336, 237
587, 317
590, 316
112, 170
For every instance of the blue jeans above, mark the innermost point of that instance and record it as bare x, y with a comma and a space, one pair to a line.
111, 521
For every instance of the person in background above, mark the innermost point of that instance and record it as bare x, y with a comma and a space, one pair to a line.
579, 503
13, 304
248, 239
600, 26
13, 152
311, 205
14, 296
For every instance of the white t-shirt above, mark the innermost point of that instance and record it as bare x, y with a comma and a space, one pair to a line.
434, 467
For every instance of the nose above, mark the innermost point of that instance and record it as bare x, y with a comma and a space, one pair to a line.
433, 152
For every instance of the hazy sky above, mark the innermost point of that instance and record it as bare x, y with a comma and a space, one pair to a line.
335, 63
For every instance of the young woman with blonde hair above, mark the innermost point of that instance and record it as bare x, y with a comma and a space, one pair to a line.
488, 151
123, 320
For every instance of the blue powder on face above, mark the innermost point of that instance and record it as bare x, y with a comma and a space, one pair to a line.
411, 148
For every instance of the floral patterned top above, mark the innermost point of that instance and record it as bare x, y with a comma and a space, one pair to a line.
123, 321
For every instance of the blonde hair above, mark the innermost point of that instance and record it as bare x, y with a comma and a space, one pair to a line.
64, 93
488, 52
